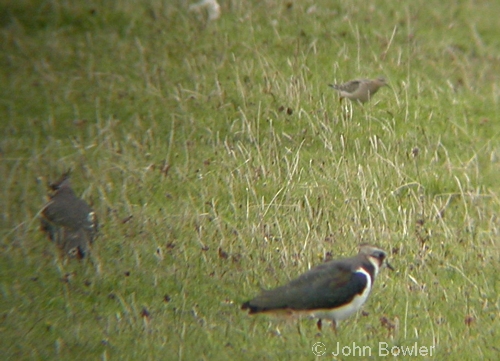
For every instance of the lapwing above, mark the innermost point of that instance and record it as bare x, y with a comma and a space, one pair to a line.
359, 90
68, 220
333, 290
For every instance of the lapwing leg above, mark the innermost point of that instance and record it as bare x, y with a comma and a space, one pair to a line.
334, 326
319, 324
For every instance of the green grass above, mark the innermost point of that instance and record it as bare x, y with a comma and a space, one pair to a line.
240, 170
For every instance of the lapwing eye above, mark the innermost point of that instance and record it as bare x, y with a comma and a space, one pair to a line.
380, 255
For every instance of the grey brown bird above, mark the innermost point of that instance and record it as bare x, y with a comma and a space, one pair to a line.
359, 90
333, 290
68, 220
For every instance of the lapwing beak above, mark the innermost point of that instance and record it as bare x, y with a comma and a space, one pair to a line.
388, 265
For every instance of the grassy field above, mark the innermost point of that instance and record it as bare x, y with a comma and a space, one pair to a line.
220, 163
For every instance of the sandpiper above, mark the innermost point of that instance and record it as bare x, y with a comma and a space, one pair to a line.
360, 90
